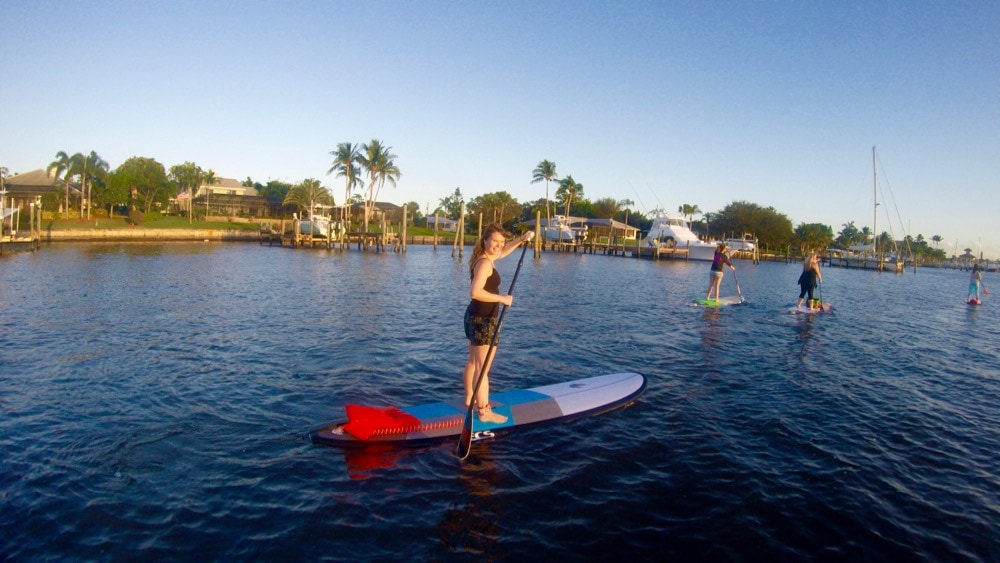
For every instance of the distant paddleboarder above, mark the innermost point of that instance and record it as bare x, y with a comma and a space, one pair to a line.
809, 279
720, 260
481, 314
975, 281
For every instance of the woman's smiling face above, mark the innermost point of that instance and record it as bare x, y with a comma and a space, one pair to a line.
495, 244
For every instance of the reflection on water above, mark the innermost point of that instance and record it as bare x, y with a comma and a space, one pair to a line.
475, 523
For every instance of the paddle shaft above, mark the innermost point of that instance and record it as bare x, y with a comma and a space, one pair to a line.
737, 280
465, 438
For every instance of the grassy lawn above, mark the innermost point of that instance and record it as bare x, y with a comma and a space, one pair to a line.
166, 222
176, 222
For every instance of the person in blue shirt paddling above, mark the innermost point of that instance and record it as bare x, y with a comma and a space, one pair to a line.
720, 260
482, 311
809, 279
975, 280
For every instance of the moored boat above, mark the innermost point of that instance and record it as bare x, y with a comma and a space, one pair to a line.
558, 230
674, 232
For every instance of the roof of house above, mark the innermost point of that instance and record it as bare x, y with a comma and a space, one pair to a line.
380, 205
227, 184
37, 181
608, 223
588, 221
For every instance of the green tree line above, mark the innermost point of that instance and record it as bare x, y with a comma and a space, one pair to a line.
142, 184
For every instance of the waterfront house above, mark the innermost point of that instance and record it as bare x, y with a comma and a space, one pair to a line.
24, 189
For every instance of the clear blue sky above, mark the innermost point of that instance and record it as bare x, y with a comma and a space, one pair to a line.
663, 103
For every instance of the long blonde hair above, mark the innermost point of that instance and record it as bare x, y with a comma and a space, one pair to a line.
480, 249
809, 262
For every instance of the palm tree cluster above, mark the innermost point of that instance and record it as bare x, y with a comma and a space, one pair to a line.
568, 190
307, 195
189, 176
375, 159
88, 170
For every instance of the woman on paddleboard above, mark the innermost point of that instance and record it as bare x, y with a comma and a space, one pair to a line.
809, 279
481, 314
975, 280
715, 275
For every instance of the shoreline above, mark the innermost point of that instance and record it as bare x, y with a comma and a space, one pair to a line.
140, 234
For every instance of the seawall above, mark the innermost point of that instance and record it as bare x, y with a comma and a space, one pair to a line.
139, 234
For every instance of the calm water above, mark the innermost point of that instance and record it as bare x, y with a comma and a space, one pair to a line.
154, 400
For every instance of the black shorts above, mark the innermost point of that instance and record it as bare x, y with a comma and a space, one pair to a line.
480, 330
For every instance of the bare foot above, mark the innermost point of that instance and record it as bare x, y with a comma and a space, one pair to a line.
486, 414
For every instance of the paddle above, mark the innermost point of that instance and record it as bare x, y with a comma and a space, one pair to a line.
737, 280
465, 438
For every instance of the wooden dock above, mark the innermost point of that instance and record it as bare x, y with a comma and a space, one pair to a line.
20, 241
661, 253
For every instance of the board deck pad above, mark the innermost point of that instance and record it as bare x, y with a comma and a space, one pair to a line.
523, 408
722, 302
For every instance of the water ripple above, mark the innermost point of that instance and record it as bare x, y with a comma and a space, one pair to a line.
154, 401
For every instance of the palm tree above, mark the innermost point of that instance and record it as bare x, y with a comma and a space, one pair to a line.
379, 162
689, 211
937, 240
308, 194
188, 176
545, 170
345, 163
627, 204
568, 190
865, 233
89, 168
61, 166
209, 179
389, 171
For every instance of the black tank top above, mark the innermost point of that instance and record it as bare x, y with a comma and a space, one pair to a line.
483, 308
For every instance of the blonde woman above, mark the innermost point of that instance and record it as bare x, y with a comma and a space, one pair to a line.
719, 260
481, 314
809, 279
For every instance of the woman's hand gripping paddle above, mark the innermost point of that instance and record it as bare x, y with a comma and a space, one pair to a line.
465, 438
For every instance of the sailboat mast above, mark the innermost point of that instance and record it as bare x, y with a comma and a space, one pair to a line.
875, 206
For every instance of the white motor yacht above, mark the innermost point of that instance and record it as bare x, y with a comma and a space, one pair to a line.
674, 232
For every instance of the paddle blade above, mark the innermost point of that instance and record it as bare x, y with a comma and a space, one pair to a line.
465, 438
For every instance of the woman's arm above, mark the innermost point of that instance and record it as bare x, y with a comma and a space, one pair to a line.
514, 243
478, 291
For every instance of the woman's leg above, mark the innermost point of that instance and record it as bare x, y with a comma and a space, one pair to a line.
477, 361
472, 366
713, 284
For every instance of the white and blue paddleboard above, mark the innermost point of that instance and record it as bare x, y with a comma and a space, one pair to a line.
721, 302
437, 422
825, 307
